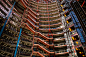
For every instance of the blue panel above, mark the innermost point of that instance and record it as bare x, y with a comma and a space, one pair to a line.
18, 42
33, 56
3, 27
7, 19
77, 25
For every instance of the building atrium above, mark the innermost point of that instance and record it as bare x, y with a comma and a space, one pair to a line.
42, 28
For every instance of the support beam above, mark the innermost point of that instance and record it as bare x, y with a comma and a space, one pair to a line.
18, 42
7, 19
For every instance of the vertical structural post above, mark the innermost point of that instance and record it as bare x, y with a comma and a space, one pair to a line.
83, 4
18, 42
7, 19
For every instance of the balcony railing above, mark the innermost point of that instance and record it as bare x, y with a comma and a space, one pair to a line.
50, 23
59, 38
49, 28
62, 51
61, 44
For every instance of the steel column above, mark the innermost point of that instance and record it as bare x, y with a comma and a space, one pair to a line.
18, 42
7, 19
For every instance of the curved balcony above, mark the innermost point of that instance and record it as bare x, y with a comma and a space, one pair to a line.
51, 52
57, 20
55, 13
46, 15
52, 17
25, 43
30, 19
49, 22
10, 32
8, 3
58, 40
32, 2
8, 44
24, 24
47, 30
16, 14
25, 37
42, 41
49, 19
23, 51
25, 1
62, 46
54, 34
14, 24
30, 23
61, 53
4, 47
14, 21
53, 25
34, 53
27, 32
52, 10
25, 6
24, 48
9, 41
5, 53
35, 5
12, 27
37, 45
50, 4
33, 18
19, 9
46, 12
30, 8
9, 37
32, 5
3, 11
4, 5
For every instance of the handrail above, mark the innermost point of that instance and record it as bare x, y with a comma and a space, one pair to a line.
23, 3
43, 42
43, 48
38, 53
